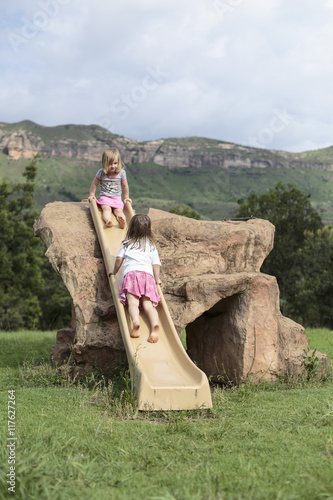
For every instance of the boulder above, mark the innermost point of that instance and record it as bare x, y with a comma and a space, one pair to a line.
211, 282
61, 350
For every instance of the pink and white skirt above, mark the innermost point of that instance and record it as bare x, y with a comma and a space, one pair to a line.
110, 201
140, 284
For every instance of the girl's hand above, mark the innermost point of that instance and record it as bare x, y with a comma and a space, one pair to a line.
110, 273
128, 199
91, 197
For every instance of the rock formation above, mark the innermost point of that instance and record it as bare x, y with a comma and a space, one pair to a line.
212, 284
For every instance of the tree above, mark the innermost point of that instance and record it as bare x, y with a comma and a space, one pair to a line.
290, 210
185, 211
313, 290
23, 267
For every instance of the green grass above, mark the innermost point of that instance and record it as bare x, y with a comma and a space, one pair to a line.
87, 440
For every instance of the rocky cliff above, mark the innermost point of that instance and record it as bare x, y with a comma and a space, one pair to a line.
24, 139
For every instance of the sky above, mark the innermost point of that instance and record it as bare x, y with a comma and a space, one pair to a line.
252, 72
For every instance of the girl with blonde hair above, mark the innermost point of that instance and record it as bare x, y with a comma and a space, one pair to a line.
112, 177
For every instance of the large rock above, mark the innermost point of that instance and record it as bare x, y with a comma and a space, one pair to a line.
212, 284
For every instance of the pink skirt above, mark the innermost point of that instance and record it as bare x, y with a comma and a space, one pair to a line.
140, 284
110, 201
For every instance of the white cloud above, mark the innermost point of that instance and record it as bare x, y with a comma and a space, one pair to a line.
216, 75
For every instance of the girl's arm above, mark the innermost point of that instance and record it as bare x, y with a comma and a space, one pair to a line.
117, 264
156, 271
126, 191
93, 187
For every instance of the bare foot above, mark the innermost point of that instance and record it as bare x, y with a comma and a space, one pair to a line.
122, 222
135, 333
109, 223
153, 337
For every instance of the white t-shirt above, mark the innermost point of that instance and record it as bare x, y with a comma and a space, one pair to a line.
139, 259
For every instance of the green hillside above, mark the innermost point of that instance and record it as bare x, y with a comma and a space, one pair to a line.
59, 132
211, 191
220, 172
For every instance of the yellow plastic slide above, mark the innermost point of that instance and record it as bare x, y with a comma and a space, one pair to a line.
163, 376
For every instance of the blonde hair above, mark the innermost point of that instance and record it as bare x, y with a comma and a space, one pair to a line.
139, 232
109, 156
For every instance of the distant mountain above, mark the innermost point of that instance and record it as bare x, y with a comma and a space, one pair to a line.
87, 142
206, 174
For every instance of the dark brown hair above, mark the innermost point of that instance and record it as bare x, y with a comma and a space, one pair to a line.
139, 232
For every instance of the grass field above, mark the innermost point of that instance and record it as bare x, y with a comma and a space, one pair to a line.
87, 441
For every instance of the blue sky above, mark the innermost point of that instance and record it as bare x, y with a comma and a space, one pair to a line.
246, 71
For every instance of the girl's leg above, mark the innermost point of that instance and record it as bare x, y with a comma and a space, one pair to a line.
119, 214
107, 215
152, 314
133, 309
